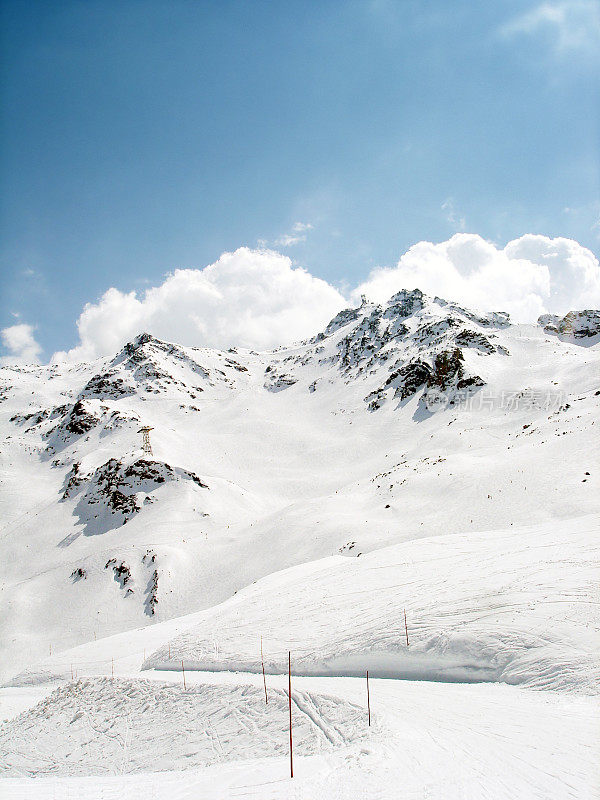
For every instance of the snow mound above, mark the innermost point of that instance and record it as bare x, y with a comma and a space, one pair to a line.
103, 726
518, 607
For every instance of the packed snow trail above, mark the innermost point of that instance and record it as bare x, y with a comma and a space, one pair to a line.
432, 740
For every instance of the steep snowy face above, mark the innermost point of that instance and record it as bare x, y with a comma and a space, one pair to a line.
151, 366
411, 343
145, 368
148, 366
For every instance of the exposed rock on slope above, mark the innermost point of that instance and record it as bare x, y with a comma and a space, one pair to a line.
410, 343
114, 492
578, 325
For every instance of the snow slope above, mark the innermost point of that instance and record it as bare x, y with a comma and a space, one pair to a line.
519, 608
494, 606
415, 455
303, 451
433, 740
95, 725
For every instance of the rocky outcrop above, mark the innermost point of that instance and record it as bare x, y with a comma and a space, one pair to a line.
73, 480
409, 379
108, 385
81, 419
446, 374
469, 338
405, 303
579, 326
549, 322
276, 380
420, 337
112, 494
152, 594
447, 369
359, 347
122, 573
494, 319
342, 319
152, 366
35, 420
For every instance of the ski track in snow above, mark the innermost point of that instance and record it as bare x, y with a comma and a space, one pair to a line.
430, 740
107, 726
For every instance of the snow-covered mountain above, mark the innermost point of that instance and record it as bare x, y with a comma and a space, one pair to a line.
397, 422
413, 491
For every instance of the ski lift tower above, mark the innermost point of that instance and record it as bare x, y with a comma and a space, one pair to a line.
146, 446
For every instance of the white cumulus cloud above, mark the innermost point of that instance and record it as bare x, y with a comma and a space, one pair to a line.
21, 344
530, 276
258, 299
249, 298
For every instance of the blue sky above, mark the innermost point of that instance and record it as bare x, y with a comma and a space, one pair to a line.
141, 136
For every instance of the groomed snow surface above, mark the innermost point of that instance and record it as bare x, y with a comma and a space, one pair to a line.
483, 611
493, 606
429, 740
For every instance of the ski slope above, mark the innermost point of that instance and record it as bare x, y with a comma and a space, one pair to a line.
518, 607
102, 725
485, 610
413, 456
434, 740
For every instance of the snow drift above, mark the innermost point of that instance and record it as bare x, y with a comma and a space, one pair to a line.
100, 726
500, 606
